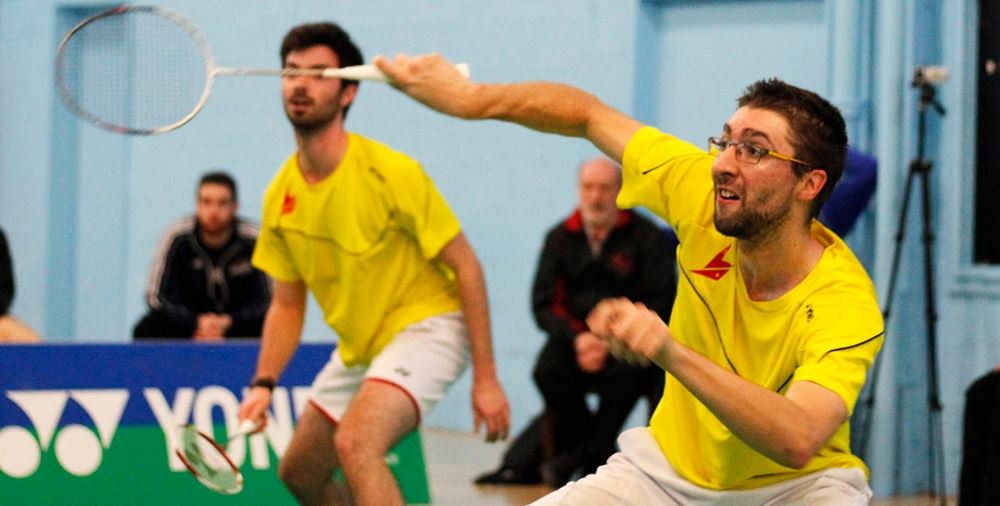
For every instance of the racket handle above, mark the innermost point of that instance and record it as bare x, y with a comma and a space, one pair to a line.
246, 427
372, 73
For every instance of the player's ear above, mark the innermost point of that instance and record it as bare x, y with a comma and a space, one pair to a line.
347, 95
811, 184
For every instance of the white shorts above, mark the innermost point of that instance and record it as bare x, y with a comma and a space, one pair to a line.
640, 475
423, 361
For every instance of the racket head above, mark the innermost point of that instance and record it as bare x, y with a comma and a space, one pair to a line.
135, 70
207, 461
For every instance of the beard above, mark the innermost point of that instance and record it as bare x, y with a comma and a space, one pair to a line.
754, 223
315, 118
306, 123
599, 216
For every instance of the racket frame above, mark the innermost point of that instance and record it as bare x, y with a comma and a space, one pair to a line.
222, 451
354, 72
202, 44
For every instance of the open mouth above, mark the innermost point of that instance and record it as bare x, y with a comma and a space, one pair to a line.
299, 101
727, 195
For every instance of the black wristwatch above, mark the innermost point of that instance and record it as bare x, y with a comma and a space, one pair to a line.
264, 381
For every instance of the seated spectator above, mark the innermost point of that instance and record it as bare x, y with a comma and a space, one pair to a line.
979, 480
202, 285
597, 253
12, 330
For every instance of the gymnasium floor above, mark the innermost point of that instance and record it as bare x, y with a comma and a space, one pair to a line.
454, 459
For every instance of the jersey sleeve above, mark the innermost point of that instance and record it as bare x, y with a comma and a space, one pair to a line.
668, 176
423, 211
838, 352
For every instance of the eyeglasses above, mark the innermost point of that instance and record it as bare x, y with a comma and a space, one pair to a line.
746, 152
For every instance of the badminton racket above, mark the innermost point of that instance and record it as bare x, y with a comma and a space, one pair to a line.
208, 461
146, 70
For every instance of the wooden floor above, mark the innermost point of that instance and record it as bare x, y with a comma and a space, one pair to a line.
454, 459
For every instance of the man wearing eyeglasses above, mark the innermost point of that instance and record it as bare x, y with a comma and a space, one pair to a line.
775, 323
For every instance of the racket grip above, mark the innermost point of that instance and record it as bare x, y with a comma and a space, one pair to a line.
372, 73
246, 427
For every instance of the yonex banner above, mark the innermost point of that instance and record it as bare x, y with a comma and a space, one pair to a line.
92, 424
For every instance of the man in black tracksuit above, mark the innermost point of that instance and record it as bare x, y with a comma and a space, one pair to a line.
202, 285
12, 330
597, 253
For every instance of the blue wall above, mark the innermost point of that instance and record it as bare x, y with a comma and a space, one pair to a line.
84, 208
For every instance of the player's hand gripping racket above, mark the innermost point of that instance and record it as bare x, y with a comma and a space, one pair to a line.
144, 70
207, 460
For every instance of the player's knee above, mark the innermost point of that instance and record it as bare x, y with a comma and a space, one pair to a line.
297, 478
286, 472
351, 445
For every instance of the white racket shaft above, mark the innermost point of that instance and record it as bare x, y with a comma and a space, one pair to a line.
354, 72
372, 73
246, 427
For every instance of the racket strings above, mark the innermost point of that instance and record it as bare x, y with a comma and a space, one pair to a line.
135, 71
208, 462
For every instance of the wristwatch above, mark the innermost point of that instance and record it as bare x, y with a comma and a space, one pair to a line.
263, 381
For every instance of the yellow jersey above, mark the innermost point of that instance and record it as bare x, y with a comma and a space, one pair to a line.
364, 242
826, 330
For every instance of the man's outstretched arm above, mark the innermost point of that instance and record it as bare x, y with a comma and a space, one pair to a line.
789, 429
543, 106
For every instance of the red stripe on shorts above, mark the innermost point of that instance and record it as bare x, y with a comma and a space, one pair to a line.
323, 412
416, 407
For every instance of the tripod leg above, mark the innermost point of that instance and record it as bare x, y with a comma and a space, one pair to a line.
864, 429
936, 440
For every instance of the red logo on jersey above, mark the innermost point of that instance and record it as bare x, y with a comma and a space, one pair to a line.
716, 268
289, 204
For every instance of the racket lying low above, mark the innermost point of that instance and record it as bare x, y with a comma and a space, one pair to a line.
145, 70
208, 461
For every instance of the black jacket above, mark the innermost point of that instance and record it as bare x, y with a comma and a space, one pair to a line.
6, 276
187, 279
636, 262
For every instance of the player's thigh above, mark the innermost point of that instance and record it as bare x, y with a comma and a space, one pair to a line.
378, 417
832, 487
403, 383
424, 360
617, 483
311, 449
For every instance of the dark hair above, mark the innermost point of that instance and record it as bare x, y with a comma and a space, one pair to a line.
326, 34
816, 129
219, 177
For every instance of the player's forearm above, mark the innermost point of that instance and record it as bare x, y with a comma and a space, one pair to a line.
477, 319
279, 339
555, 108
543, 106
767, 421
475, 309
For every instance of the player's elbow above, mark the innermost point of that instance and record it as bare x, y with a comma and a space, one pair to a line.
796, 459
800, 450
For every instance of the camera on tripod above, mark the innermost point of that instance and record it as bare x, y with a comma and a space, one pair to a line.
924, 75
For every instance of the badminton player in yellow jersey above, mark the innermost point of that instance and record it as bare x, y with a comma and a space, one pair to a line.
363, 229
776, 322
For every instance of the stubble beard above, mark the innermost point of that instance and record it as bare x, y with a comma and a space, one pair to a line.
315, 119
308, 124
753, 225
